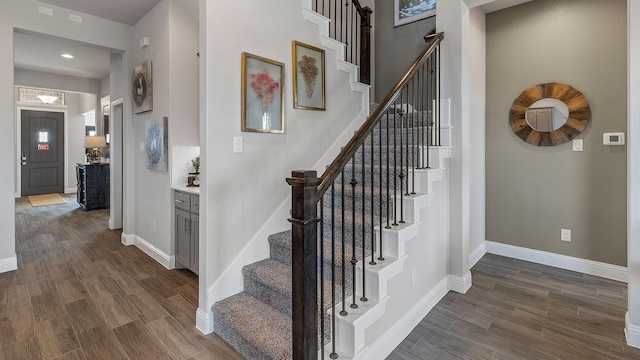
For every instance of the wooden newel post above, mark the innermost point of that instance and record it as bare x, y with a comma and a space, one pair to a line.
304, 257
365, 45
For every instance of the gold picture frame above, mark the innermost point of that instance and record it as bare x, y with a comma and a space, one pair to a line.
262, 94
308, 77
408, 11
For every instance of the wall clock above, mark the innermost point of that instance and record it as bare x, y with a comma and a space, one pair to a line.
143, 88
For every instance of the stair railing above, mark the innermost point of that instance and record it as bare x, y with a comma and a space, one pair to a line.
360, 194
351, 25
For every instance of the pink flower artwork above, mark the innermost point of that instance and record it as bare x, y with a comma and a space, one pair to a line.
265, 86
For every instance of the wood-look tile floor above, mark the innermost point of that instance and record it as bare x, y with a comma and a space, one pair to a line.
521, 310
79, 293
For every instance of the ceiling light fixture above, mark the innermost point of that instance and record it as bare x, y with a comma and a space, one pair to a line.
67, 56
47, 99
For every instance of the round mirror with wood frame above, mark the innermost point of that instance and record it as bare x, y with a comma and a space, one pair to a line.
577, 104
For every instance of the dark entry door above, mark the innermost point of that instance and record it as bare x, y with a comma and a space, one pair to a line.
42, 156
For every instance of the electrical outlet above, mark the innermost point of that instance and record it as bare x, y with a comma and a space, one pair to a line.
565, 235
414, 277
155, 228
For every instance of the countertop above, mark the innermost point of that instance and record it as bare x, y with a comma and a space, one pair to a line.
188, 189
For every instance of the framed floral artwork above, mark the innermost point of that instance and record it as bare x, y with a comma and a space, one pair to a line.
308, 77
408, 11
262, 94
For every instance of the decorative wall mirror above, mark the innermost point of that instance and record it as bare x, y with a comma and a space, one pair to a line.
549, 114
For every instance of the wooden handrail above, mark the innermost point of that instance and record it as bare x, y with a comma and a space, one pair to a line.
358, 139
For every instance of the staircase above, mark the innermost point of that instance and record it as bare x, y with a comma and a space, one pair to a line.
257, 321
371, 209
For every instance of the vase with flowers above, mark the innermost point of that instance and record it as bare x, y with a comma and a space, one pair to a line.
266, 88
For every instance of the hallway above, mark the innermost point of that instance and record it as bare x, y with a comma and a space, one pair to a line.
79, 293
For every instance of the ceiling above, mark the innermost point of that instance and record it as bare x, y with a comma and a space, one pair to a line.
42, 53
123, 11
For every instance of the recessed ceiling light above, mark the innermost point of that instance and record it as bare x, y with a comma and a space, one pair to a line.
67, 56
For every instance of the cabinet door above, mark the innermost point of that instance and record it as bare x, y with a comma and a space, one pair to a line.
195, 243
183, 239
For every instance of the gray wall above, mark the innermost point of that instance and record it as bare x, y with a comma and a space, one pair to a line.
532, 192
396, 48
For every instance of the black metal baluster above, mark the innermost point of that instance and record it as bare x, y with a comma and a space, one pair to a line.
411, 149
373, 199
343, 312
353, 29
321, 240
363, 298
388, 226
353, 184
430, 112
438, 96
333, 354
380, 257
401, 176
396, 113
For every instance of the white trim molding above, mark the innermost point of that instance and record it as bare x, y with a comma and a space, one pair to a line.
166, 260
460, 283
632, 332
9, 264
204, 321
614, 272
403, 327
477, 254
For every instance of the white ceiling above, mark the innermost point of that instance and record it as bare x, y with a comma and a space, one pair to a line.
42, 53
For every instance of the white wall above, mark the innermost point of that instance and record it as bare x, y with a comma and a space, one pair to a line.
633, 172
453, 19
75, 135
477, 96
173, 37
55, 81
24, 15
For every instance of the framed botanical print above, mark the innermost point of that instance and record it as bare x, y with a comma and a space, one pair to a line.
262, 94
408, 11
308, 77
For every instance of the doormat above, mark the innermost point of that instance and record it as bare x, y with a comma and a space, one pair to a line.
46, 199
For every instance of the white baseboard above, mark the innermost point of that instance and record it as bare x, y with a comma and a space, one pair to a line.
590, 267
403, 327
127, 239
166, 260
632, 332
460, 283
477, 254
204, 321
71, 190
9, 264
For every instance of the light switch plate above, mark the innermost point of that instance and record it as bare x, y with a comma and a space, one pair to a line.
237, 145
577, 145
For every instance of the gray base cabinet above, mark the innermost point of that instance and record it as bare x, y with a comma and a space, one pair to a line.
187, 223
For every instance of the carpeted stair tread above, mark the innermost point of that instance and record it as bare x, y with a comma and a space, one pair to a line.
260, 326
269, 280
